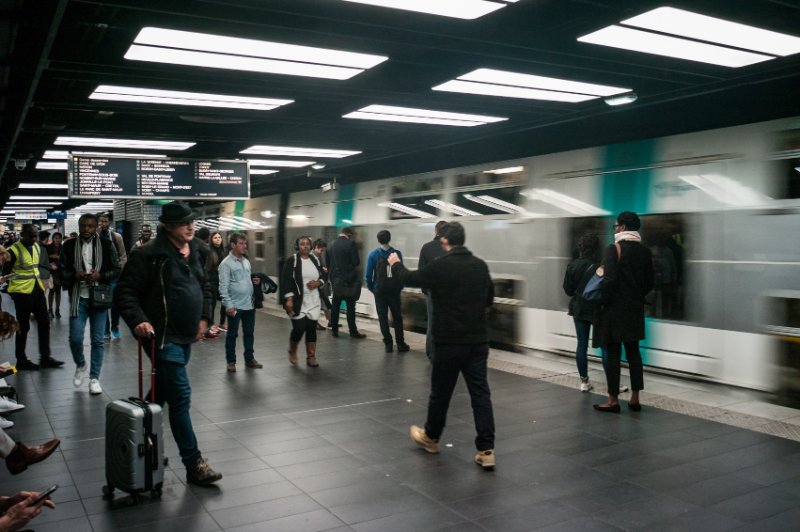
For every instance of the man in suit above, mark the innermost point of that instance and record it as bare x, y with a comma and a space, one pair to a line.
343, 261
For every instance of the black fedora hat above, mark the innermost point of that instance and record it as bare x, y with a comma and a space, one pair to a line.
176, 212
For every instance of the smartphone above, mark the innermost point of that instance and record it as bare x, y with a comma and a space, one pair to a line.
45, 494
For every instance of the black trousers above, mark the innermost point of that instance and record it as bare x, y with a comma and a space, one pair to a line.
25, 304
613, 366
303, 326
351, 313
470, 360
383, 304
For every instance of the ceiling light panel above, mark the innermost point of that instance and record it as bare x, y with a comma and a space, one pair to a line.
704, 28
197, 99
43, 185
37, 198
233, 53
463, 9
515, 79
293, 151
421, 116
56, 154
123, 143
50, 165
262, 171
664, 45
485, 89
280, 164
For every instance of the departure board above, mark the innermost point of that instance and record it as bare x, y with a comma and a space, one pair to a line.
134, 178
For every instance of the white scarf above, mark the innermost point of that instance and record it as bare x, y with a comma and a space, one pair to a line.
627, 235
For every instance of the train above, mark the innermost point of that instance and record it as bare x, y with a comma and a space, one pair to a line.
718, 209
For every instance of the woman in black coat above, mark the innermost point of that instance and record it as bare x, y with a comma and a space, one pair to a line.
627, 279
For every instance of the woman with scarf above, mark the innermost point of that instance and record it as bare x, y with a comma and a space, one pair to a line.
215, 258
627, 279
301, 278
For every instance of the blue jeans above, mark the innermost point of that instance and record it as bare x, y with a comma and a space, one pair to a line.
77, 327
248, 319
172, 387
582, 331
469, 360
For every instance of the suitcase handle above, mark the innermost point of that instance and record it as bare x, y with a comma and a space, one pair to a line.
152, 370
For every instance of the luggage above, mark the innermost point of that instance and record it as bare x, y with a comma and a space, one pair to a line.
134, 442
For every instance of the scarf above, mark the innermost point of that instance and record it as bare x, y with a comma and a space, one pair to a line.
627, 235
78, 263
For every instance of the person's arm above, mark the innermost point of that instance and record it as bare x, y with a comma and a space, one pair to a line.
132, 281
224, 284
610, 271
113, 272
67, 266
205, 313
356, 260
22, 510
426, 277
120, 245
423, 260
490, 293
286, 286
369, 273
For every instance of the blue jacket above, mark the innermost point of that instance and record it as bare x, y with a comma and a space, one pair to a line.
372, 263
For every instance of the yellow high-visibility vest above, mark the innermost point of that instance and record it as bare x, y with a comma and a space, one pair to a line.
26, 268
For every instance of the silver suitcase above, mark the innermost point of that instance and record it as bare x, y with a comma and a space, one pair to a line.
134, 444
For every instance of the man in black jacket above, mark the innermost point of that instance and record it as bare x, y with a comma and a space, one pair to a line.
163, 292
342, 258
461, 290
430, 251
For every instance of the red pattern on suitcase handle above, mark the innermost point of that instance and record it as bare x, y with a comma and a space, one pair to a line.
152, 370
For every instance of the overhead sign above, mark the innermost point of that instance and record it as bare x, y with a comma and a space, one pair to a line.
134, 178
57, 215
31, 215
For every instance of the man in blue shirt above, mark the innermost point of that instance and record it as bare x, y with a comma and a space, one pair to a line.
236, 291
386, 289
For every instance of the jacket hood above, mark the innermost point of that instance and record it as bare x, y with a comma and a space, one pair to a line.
385, 252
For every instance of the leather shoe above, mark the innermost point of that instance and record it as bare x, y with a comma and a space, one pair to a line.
357, 335
334, 333
50, 362
607, 408
403, 348
22, 456
27, 365
636, 407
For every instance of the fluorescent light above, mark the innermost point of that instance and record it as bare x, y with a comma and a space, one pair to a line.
56, 154
449, 207
280, 164
123, 143
34, 202
140, 94
653, 43
292, 151
421, 116
515, 79
484, 89
508, 170
46, 165
14, 198
711, 29
405, 209
562, 201
463, 9
621, 99
260, 171
232, 53
43, 185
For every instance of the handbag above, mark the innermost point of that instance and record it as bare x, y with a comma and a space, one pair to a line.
101, 295
593, 291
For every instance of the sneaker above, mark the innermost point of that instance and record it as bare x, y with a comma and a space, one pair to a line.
116, 335
211, 335
223, 327
232, 367
5, 423
9, 406
403, 347
106, 337
254, 364
419, 437
214, 330
485, 459
202, 474
586, 386
80, 372
94, 387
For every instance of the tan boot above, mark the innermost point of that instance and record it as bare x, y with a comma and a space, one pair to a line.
293, 352
311, 354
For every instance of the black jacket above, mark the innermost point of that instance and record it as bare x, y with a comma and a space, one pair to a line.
141, 292
429, 252
461, 289
626, 282
266, 286
291, 281
343, 261
578, 273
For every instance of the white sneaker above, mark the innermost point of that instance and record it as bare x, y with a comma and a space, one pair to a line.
6, 423
80, 372
586, 386
94, 387
8, 405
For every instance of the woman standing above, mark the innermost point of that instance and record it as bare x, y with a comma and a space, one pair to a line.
215, 258
53, 253
301, 278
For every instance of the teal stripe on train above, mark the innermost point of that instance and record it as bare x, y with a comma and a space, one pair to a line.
345, 208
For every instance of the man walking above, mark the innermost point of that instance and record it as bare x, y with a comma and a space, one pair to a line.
164, 293
342, 258
106, 233
27, 291
430, 251
89, 265
236, 291
386, 288
461, 290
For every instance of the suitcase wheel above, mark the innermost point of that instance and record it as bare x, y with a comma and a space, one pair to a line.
108, 492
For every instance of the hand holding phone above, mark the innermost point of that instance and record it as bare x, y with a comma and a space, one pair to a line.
44, 494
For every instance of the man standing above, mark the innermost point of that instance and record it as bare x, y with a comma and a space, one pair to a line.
342, 258
386, 288
430, 252
144, 237
27, 291
236, 291
112, 326
461, 290
164, 293
89, 265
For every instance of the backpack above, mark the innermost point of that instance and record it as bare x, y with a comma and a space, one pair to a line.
386, 282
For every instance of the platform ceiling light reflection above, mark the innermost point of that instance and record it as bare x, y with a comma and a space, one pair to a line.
449, 207
391, 113
34, 202
491, 82
57, 154
188, 48
37, 198
280, 164
463, 9
294, 151
695, 37
124, 143
262, 171
405, 209
495, 203
726, 190
507, 170
197, 99
564, 202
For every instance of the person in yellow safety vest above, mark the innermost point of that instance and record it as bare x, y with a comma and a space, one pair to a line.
27, 291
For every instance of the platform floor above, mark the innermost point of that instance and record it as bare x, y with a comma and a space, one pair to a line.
328, 448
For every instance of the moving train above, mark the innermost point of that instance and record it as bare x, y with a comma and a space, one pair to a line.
720, 209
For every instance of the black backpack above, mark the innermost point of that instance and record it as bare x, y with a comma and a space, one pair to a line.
386, 282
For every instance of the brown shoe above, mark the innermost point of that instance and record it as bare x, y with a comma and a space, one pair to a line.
22, 456
255, 364
232, 367
420, 437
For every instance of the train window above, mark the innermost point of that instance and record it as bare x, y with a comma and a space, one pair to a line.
412, 207
410, 186
504, 200
499, 176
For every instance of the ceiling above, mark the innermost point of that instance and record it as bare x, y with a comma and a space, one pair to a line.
54, 53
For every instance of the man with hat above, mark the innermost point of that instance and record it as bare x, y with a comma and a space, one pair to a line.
163, 293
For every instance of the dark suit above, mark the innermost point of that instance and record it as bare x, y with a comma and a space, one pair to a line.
343, 261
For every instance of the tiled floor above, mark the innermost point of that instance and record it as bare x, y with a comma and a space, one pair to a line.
328, 449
